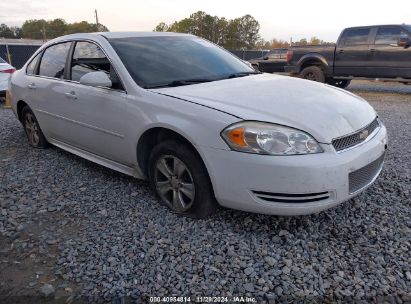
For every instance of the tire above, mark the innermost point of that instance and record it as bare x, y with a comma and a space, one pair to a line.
180, 179
339, 83
32, 129
313, 73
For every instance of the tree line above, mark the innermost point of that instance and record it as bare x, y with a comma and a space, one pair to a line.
237, 33
48, 29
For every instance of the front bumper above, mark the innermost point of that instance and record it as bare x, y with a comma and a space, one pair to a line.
317, 182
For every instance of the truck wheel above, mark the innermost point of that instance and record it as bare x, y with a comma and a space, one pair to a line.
339, 83
313, 73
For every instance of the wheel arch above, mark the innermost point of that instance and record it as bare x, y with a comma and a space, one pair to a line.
312, 60
154, 135
20, 105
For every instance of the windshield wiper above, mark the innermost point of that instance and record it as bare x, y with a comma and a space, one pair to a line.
242, 74
177, 83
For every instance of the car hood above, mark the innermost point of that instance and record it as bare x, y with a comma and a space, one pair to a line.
323, 111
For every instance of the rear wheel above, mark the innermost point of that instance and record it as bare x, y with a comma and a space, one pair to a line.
313, 73
340, 83
180, 179
32, 128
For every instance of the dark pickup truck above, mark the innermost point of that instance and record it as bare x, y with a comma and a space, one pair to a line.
381, 51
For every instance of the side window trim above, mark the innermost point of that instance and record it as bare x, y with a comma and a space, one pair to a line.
385, 27
36, 67
367, 42
70, 59
65, 63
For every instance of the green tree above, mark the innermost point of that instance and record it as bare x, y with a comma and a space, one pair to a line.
6, 32
56, 28
279, 43
161, 27
249, 31
315, 41
34, 29
237, 33
42, 29
81, 27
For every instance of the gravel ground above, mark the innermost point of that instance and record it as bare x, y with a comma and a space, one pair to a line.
93, 233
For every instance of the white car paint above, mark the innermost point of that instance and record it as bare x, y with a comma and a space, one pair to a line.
105, 126
5, 74
321, 110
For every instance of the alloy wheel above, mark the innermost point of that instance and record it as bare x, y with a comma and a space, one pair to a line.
32, 129
174, 183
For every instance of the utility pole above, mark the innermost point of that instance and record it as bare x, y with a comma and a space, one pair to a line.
97, 24
44, 31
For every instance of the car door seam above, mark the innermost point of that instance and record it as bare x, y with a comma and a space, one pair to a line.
81, 123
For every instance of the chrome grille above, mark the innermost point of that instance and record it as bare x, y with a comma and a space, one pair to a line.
356, 138
363, 177
292, 197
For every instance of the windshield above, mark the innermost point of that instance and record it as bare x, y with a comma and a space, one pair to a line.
408, 27
163, 60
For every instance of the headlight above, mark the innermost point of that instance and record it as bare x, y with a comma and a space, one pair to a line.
266, 138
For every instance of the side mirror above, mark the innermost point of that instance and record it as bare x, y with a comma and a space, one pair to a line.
404, 42
96, 79
247, 63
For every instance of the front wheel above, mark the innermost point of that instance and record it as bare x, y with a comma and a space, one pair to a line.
340, 83
313, 73
180, 179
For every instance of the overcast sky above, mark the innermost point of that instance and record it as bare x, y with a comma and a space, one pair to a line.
278, 19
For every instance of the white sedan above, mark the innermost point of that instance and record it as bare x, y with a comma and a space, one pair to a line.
201, 125
5, 73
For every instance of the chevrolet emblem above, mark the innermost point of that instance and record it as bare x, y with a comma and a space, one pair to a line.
363, 134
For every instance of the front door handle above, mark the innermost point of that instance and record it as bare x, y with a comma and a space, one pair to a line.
373, 50
32, 86
340, 51
71, 95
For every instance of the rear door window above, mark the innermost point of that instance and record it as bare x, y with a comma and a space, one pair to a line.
356, 36
88, 57
31, 67
53, 61
389, 35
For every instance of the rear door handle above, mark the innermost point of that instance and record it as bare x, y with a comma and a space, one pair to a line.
373, 50
32, 86
71, 95
341, 52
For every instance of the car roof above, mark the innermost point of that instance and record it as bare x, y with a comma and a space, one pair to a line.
376, 25
114, 35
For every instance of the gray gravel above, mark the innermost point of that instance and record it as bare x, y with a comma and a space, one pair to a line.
107, 234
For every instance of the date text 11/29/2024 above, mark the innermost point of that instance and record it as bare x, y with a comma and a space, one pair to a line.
201, 299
